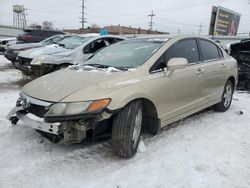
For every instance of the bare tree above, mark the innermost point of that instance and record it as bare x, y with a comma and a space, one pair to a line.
47, 25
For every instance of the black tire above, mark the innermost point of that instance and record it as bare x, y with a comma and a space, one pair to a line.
125, 133
14, 120
225, 102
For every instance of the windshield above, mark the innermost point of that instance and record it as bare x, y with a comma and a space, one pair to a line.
127, 54
53, 39
73, 41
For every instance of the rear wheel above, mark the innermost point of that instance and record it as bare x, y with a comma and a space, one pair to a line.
126, 129
226, 98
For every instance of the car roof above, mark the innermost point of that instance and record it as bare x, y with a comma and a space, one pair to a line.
169, 36
43, 30
89, 35
97, 35
164, 38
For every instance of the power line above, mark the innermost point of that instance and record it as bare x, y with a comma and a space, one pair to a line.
151, 21
186, 6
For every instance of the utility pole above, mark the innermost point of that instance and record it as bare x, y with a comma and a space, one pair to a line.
24, 17
200, 28
83, 19
151, 21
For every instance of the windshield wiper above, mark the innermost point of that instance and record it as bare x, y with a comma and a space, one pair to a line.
97, 65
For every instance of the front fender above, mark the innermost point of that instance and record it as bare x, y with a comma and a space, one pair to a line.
120, 98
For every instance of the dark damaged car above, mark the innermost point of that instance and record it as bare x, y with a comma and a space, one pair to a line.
241, 52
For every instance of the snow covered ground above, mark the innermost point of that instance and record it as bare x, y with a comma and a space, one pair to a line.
209, 149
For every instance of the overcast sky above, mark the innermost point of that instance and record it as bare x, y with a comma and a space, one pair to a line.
171, 15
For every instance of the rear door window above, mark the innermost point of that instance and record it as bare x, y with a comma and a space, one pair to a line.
95, 46
209, 50
112, 40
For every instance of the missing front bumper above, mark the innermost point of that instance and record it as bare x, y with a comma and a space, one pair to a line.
69, 130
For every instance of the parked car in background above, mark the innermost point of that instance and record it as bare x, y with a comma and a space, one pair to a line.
4, 42
133, 85
36, 35
73, 50
13, 50
241, 52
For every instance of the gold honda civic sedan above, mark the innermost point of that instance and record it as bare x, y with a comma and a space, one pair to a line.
134, 85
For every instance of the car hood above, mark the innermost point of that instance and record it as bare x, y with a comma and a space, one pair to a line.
56, 86
25, 46
46, 50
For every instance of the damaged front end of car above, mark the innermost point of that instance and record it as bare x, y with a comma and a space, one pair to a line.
65, 123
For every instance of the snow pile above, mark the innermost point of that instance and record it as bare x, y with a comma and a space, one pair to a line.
112, 69
141, 147
90, 68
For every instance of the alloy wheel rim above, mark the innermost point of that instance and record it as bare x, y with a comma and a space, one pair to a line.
137, 127
227, 95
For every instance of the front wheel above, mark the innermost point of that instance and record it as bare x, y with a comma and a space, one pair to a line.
126, 129
226, 98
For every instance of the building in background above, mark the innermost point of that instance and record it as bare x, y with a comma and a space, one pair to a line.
115, 30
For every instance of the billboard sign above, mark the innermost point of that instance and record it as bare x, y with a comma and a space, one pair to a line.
224, 22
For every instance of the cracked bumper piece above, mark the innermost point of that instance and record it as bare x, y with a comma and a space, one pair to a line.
34, 121
38, 123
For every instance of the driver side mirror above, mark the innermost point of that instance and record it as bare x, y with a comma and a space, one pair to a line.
177, 63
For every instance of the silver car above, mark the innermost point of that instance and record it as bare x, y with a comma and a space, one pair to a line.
72, 50
13, 50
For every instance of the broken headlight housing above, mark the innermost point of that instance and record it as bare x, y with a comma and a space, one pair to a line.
77, 108
38, 60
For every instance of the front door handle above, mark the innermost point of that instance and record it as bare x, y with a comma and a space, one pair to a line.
200, 71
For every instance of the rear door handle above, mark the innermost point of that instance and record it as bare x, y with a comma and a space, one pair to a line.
200, 71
